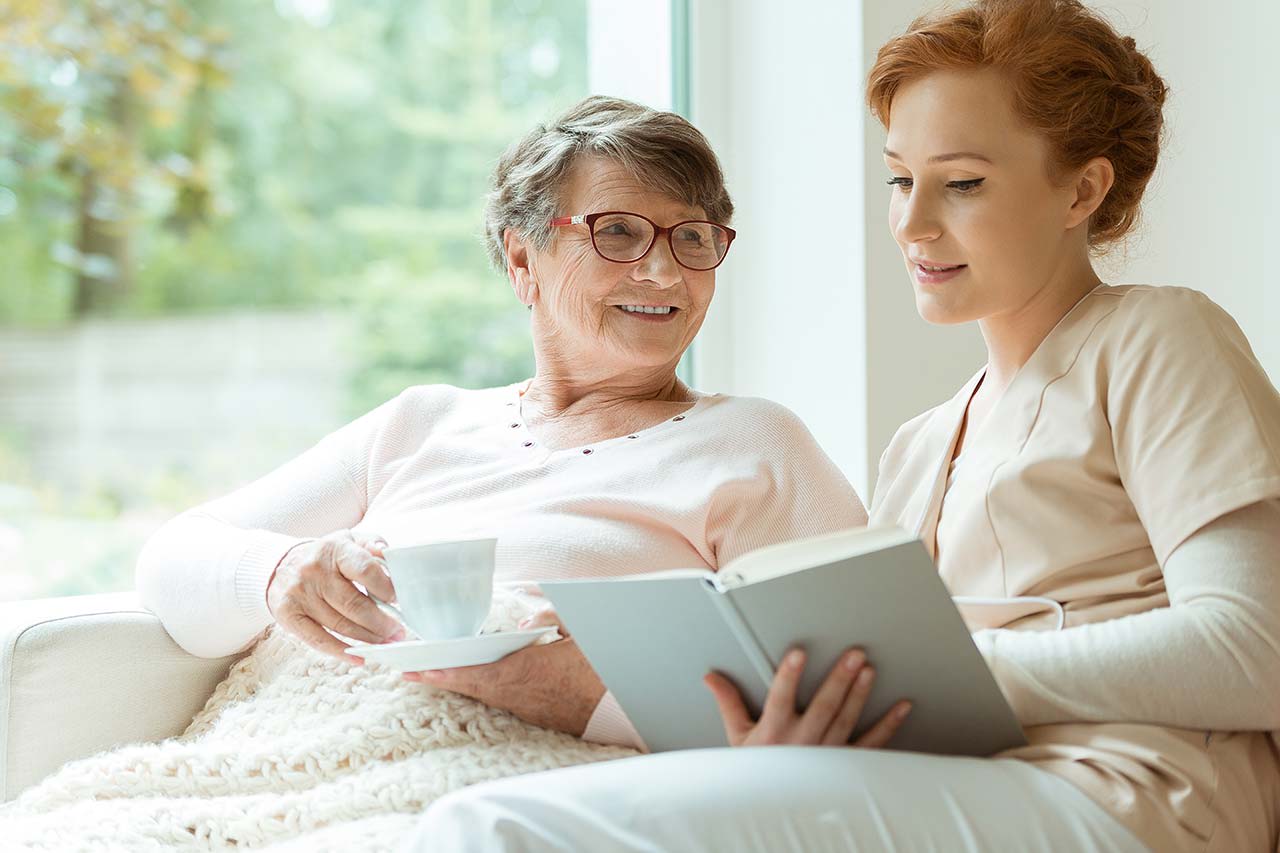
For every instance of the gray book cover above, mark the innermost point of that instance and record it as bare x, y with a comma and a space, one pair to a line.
653, 637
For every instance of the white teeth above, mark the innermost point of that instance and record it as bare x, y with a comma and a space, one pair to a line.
935, 269
646, 309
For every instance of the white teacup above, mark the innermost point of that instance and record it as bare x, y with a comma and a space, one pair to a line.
444, 589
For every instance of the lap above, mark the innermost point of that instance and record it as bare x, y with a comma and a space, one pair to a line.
775, 799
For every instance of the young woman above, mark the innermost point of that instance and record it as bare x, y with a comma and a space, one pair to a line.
1110, 480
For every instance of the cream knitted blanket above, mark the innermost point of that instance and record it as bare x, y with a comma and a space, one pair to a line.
294, 752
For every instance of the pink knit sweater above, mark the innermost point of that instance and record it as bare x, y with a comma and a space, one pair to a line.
730, 475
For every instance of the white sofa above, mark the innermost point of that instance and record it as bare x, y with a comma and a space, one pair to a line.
85, 673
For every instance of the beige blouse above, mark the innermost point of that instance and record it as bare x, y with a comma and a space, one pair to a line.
1141, 418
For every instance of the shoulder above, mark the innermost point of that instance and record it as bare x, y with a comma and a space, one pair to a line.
1175, 330
431, 402
1160, 313
420, 410
761, 422
911, 434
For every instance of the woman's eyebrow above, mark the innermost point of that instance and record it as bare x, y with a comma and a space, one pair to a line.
942, 158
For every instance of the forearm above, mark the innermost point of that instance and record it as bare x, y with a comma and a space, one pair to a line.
1211, 660
207, 580
205, 573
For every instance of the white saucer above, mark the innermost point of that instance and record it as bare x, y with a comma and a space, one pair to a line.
417, 655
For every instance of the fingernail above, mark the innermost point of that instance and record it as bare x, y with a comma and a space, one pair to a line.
904, 710
864, 677
355, 660
396, 635
853, 660
795, 658
430, 674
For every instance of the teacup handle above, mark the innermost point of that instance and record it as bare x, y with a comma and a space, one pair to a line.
394, 612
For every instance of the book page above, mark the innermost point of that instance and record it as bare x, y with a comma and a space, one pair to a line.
787, 557
665, 573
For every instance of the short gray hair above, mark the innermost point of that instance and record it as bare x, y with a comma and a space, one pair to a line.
661, 149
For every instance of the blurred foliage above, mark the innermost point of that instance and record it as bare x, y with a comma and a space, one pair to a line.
162, 157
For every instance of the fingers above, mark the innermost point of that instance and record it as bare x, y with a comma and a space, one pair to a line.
827, 704
879, 735
733, 711
356, 563
355, 607
372, 543
321, 612
319, 639
837, 734
780, 704
544, 618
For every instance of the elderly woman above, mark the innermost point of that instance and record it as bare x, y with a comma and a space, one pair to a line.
610, 223
1109, 481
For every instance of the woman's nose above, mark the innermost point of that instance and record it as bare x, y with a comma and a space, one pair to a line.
917, 220
659, 266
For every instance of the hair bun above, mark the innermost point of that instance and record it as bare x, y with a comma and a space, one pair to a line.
1088, 90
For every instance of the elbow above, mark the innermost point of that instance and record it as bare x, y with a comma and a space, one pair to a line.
148, 577
155, 579
167, 587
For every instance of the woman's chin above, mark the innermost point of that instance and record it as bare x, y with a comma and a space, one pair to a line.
941, 311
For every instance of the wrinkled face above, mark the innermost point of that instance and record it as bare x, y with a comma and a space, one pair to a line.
981, 226
589, 303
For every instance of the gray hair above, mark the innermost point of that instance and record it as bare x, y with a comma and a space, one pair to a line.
661, 149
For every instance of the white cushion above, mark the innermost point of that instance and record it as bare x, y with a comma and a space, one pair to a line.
82, 674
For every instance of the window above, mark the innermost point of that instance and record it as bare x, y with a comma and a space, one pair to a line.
226, 228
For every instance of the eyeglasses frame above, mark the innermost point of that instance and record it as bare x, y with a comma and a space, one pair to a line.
589, 219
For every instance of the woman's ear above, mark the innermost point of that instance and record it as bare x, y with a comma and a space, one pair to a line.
519, 270
1092, 184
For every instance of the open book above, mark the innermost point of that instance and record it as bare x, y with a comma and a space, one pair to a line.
652, 637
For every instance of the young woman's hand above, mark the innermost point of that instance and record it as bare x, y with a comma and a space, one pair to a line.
312, 592
829, 720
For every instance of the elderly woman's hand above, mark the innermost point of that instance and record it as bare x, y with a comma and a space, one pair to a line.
550, 685
830, 718
313, 589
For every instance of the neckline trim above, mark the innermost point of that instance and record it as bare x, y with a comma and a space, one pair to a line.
525, 439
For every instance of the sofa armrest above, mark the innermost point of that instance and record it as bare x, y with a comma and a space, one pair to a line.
82, 674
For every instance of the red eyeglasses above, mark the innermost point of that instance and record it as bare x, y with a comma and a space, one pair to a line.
625, 238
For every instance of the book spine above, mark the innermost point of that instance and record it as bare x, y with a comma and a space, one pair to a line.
742, 633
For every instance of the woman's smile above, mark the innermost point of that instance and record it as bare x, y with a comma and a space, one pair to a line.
649, 313
931, 275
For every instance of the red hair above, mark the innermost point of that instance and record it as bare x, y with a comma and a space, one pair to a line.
1088, 91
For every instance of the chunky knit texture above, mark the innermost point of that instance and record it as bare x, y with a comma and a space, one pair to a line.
295, 751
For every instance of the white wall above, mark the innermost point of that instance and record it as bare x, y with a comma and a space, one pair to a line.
771, 90
831, 330
813, 307
629, 50
1212, 215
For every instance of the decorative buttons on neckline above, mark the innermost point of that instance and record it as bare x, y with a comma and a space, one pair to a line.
633, 436
586, 451
678, 418
514, 426
528, 444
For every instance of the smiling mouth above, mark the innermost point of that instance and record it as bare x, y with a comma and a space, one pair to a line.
660, 310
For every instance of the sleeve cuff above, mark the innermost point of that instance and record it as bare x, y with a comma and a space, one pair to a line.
609, 725
253, 572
